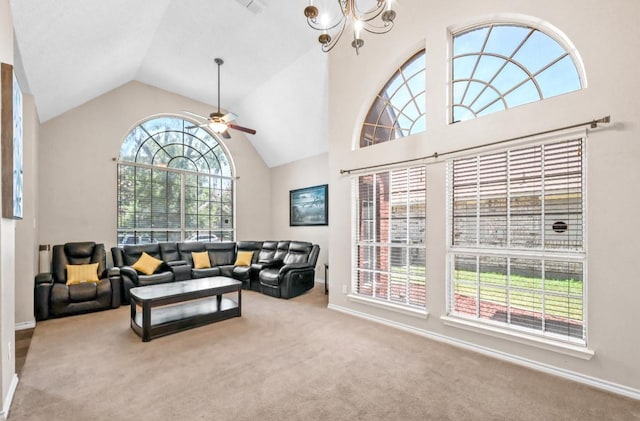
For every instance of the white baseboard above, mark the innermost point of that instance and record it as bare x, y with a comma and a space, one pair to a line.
545, 368
7, 402
26, 325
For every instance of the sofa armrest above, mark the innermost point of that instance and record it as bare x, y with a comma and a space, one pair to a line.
116, 286
294, 266
41, 294
271, 263
44, 278
177, 263
127, 272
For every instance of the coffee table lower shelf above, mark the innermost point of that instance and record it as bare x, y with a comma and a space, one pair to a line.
183, 316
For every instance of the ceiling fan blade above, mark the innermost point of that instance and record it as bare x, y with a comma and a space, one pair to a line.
196, 126
195, 115
240, 128
226, 134
228, 117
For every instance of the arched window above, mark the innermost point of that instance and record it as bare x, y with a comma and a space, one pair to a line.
398, 109
499, 66
175, 183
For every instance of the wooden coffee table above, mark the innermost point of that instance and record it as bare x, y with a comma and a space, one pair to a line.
177, 306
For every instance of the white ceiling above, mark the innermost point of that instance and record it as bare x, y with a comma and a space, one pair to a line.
71, 51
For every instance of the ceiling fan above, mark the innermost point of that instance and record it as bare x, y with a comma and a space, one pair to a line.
218, 122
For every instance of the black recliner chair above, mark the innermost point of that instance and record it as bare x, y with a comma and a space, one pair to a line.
54, 298
295, 274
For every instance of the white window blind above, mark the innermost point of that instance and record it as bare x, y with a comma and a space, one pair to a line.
517, 239
389, 220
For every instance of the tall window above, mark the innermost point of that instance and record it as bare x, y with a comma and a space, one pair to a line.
389, 219
500, 66
398, 109
517, 256
174, 184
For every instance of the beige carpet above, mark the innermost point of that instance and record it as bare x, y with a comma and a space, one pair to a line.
283, 360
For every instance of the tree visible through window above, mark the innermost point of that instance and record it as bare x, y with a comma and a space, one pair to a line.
174, 184
398, 109
501, 66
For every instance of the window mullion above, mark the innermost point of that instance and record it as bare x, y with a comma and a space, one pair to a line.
182, 206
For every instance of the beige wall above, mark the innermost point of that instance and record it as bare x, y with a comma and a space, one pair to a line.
7, 249
26, 228
303, 173
77, 176
603, 38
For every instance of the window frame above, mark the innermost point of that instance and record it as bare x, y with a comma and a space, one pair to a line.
420, 309
144, 234
396, 131
534, 25
547, 340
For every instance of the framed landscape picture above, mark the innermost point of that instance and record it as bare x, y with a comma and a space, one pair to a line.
309, 206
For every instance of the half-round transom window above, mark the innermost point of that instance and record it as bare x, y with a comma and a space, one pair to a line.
496, 67
398, 109
175, 183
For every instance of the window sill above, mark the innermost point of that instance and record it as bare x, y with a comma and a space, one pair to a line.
414, 312
572, 350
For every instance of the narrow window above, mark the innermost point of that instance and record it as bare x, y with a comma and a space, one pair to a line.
389, 220
398, 109
516, 255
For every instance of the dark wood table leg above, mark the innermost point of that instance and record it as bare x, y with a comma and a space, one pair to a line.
240, 302
146, 321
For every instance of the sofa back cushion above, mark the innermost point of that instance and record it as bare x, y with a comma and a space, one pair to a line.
299, 252
268, 251
221, 254
185, 250
252, 246
281, 250
169, 252
131, 253
80, 253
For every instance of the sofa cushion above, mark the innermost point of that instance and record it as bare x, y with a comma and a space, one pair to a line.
221, 254
241, 272
205, 273
169, 252
146, 264
185, 250
269, 277
298, 252
84, 291
82, 273
201, 260
156, 278
131, 253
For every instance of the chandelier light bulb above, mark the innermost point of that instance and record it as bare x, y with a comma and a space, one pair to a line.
378, 19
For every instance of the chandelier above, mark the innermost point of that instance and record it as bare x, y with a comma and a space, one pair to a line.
377, 18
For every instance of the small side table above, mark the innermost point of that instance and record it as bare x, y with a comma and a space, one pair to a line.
326, 278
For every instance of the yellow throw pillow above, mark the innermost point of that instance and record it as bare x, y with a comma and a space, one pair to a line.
77, 274
201, 260
244, 258
146, 264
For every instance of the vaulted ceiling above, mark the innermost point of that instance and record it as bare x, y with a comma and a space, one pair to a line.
274, 76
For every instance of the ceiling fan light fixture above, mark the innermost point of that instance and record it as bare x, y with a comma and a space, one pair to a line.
218, 126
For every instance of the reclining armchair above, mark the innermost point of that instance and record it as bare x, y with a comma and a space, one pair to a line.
294, 275
56, 294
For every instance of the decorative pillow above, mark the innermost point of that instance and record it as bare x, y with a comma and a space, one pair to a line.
77, 274
146, 264
244, 258
201, 260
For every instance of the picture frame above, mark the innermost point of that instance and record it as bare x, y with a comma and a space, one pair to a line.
309, 206
11, 143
